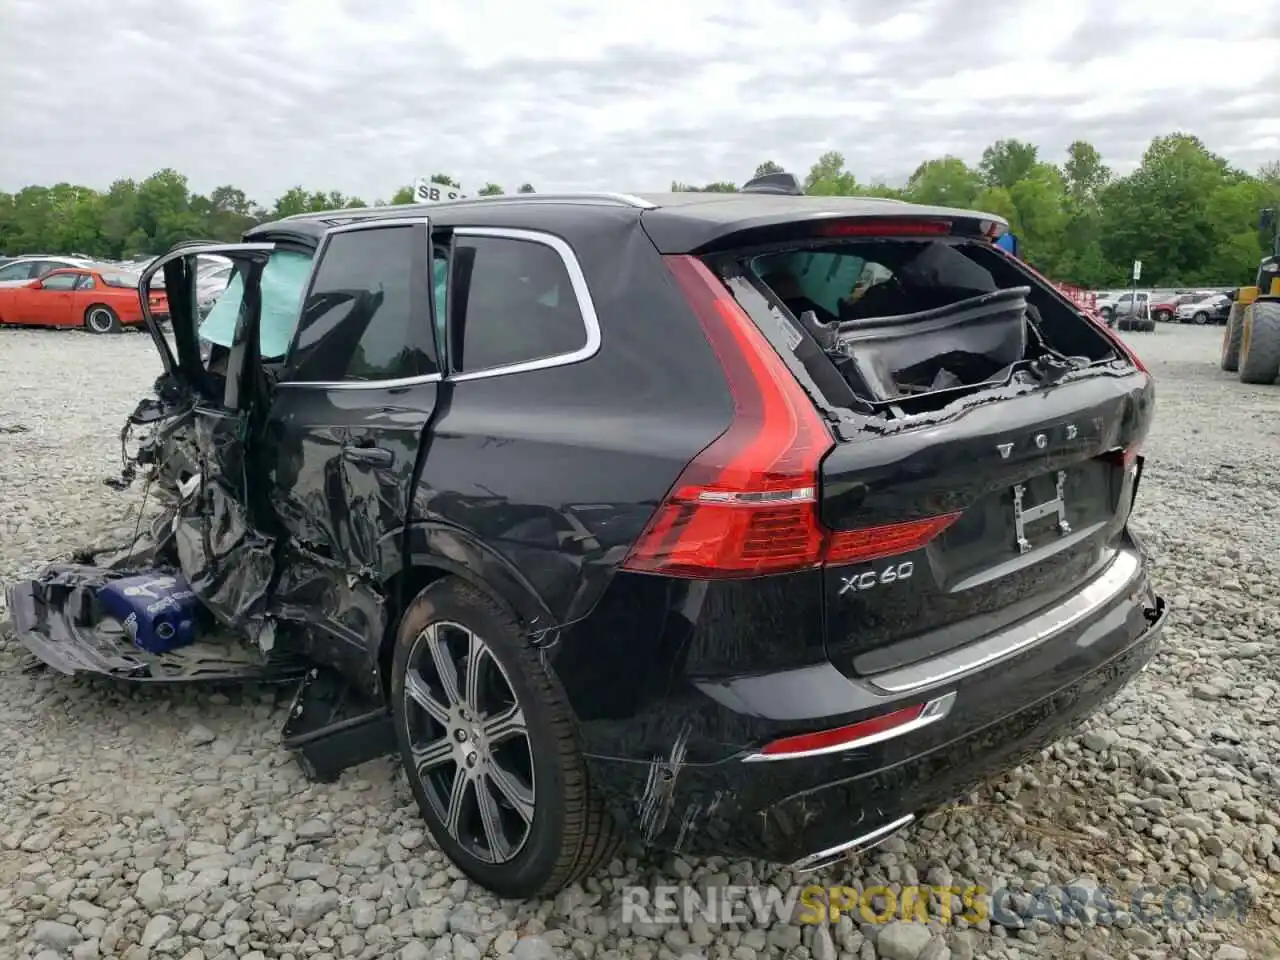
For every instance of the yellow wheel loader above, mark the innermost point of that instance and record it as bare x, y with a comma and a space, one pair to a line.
1251, 339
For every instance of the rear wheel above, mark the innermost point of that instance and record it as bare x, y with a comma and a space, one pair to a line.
1260, 342
1231, 338
488, 744
101, 319
1164, 316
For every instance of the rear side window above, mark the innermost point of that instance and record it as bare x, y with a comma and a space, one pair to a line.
513, 303
61, 281
367, 315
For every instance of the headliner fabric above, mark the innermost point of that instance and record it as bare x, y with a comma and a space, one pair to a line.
284, 281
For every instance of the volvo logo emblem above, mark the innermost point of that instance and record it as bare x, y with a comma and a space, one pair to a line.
1040, 441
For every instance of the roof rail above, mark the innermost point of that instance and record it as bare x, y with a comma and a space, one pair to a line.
622, 199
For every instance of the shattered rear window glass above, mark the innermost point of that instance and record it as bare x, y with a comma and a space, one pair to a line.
284, 281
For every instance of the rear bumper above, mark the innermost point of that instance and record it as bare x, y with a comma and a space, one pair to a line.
811, 809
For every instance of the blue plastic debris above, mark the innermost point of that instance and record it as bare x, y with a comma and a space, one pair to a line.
157, 611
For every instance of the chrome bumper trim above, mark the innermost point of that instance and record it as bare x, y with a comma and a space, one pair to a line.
1102, 590
816, 861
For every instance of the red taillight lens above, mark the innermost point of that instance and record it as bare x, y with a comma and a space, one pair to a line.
841, 736
747, 505
1128, 456
887, 227
890, 540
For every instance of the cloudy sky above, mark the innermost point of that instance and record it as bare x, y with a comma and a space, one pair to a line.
363, 95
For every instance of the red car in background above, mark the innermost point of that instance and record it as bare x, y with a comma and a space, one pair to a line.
99, 299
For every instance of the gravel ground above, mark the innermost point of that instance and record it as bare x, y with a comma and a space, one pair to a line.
138, 823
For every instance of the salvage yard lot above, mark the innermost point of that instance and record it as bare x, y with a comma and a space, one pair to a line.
172, 818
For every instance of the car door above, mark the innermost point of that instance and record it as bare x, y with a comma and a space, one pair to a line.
345, 426
50, 303
86, 292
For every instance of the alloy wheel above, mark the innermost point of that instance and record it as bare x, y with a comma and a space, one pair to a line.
100, 320
469, 741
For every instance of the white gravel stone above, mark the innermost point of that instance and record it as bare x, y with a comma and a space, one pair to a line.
168, 823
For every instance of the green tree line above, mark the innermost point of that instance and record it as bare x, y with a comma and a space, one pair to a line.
1187, 213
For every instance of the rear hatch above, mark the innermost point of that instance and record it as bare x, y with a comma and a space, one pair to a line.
987, 433
993, 514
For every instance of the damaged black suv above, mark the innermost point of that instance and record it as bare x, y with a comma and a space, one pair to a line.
748, 523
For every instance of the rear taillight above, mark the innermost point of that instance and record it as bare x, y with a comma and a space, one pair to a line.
887, 227
1126, 457
747, 505
890, 540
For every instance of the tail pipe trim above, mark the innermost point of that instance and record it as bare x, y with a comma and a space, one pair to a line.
824, 858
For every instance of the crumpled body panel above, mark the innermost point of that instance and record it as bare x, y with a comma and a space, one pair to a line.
207, 534
56, 616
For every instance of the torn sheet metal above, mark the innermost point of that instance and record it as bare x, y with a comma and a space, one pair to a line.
228, 562
58, 618
338, 610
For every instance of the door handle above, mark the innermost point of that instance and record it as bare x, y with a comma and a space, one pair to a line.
369, 456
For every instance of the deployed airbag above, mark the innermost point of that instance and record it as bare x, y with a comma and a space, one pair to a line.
284, 281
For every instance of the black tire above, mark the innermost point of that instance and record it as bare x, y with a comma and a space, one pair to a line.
1164, 316
1149, 325
1200, 318
1125, 324
570, 834
1231, 338
100, 318
1260, 342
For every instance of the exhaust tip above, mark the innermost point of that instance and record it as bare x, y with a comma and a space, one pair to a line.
860, 844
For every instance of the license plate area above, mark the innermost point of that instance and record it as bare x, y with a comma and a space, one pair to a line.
1028, 512
1052, 509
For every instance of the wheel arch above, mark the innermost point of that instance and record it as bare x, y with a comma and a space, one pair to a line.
100, 305
433, 551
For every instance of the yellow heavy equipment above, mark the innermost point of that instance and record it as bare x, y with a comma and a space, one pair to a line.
1251, 340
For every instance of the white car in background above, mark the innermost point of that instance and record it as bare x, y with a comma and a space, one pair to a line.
23, 270
212, 278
